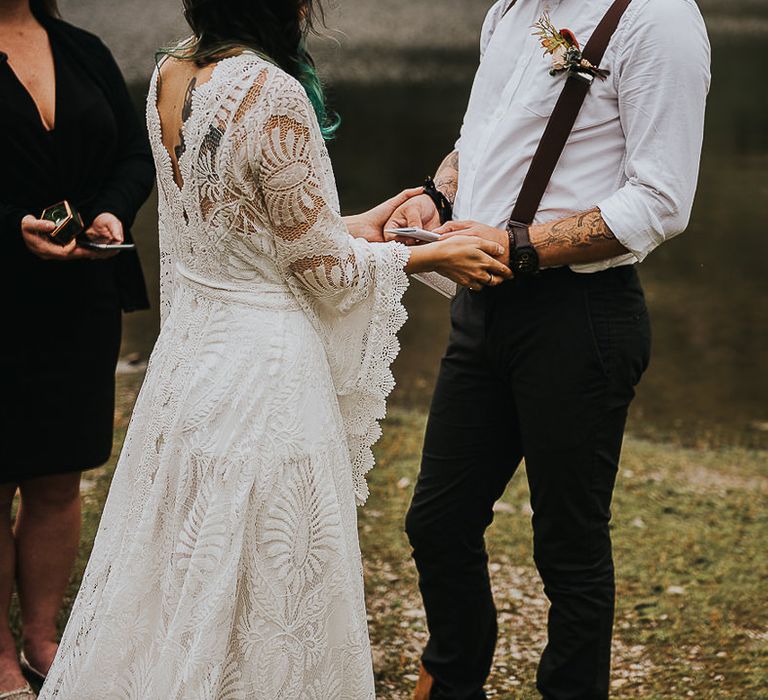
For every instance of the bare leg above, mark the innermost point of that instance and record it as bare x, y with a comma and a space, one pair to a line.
47, 539
10, 673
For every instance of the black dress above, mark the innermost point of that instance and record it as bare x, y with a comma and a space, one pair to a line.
63, 319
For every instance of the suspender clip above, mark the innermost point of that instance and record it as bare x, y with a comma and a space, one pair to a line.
584, 77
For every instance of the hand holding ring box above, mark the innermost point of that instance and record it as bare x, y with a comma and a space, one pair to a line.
69, 223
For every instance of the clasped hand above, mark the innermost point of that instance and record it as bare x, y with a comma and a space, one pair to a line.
470, 253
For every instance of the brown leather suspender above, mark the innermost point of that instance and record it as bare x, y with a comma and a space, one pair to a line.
511, 5
562, 121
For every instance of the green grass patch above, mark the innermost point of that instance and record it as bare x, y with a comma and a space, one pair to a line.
690, 531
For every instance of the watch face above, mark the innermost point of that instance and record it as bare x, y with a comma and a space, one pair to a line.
527, 260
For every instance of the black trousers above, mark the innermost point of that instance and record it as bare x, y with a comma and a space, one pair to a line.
541, 369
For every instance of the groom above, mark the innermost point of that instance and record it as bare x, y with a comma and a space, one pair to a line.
544, 367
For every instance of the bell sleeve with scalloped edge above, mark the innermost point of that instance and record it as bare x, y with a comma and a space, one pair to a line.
351, 288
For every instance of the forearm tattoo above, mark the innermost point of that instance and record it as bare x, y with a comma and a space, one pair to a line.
580, 231
582, 238
447, 178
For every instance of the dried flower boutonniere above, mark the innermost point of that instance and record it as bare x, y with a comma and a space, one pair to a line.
565, 51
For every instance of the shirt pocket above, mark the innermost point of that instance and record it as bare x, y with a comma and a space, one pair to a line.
600, 106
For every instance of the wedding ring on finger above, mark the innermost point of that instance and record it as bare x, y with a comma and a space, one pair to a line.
490, 279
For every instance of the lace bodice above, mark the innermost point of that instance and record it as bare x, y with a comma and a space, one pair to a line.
258, 198
259, 208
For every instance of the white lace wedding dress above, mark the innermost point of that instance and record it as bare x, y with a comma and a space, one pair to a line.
227, 563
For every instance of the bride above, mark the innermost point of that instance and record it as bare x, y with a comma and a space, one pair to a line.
227, 563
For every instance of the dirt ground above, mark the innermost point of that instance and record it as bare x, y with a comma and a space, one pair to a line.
689, 528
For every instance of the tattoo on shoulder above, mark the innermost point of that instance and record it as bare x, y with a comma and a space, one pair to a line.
186, 112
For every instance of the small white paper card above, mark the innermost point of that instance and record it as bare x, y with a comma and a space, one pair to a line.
438, 283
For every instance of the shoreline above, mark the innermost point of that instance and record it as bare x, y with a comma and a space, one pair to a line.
363, 42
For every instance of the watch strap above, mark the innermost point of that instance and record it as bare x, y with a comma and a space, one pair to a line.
520, 233
523, 258
442, 203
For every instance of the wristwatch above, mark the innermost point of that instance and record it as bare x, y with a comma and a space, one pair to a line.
523, 258
442, 203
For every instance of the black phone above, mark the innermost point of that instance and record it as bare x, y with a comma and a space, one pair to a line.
91, 245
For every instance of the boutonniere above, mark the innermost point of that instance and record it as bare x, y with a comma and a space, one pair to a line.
564, 48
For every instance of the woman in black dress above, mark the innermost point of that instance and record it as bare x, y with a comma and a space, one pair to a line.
68, 130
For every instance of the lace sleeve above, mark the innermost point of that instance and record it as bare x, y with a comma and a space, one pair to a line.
299, 195
351, 288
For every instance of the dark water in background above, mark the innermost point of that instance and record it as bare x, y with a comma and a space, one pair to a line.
707, 289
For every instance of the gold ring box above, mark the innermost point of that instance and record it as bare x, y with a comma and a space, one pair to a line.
69, 223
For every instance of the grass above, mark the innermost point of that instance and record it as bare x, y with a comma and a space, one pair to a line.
690, 529
690, 532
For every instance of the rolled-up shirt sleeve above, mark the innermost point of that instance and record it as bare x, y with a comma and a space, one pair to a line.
663, 82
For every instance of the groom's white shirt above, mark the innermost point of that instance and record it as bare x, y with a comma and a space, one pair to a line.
636, 146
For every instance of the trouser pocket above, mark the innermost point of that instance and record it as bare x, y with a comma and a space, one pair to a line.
620, 326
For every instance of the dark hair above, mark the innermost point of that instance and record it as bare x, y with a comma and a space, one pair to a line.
275, 29
49, 8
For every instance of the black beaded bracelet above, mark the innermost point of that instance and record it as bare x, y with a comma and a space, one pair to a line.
442, 203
